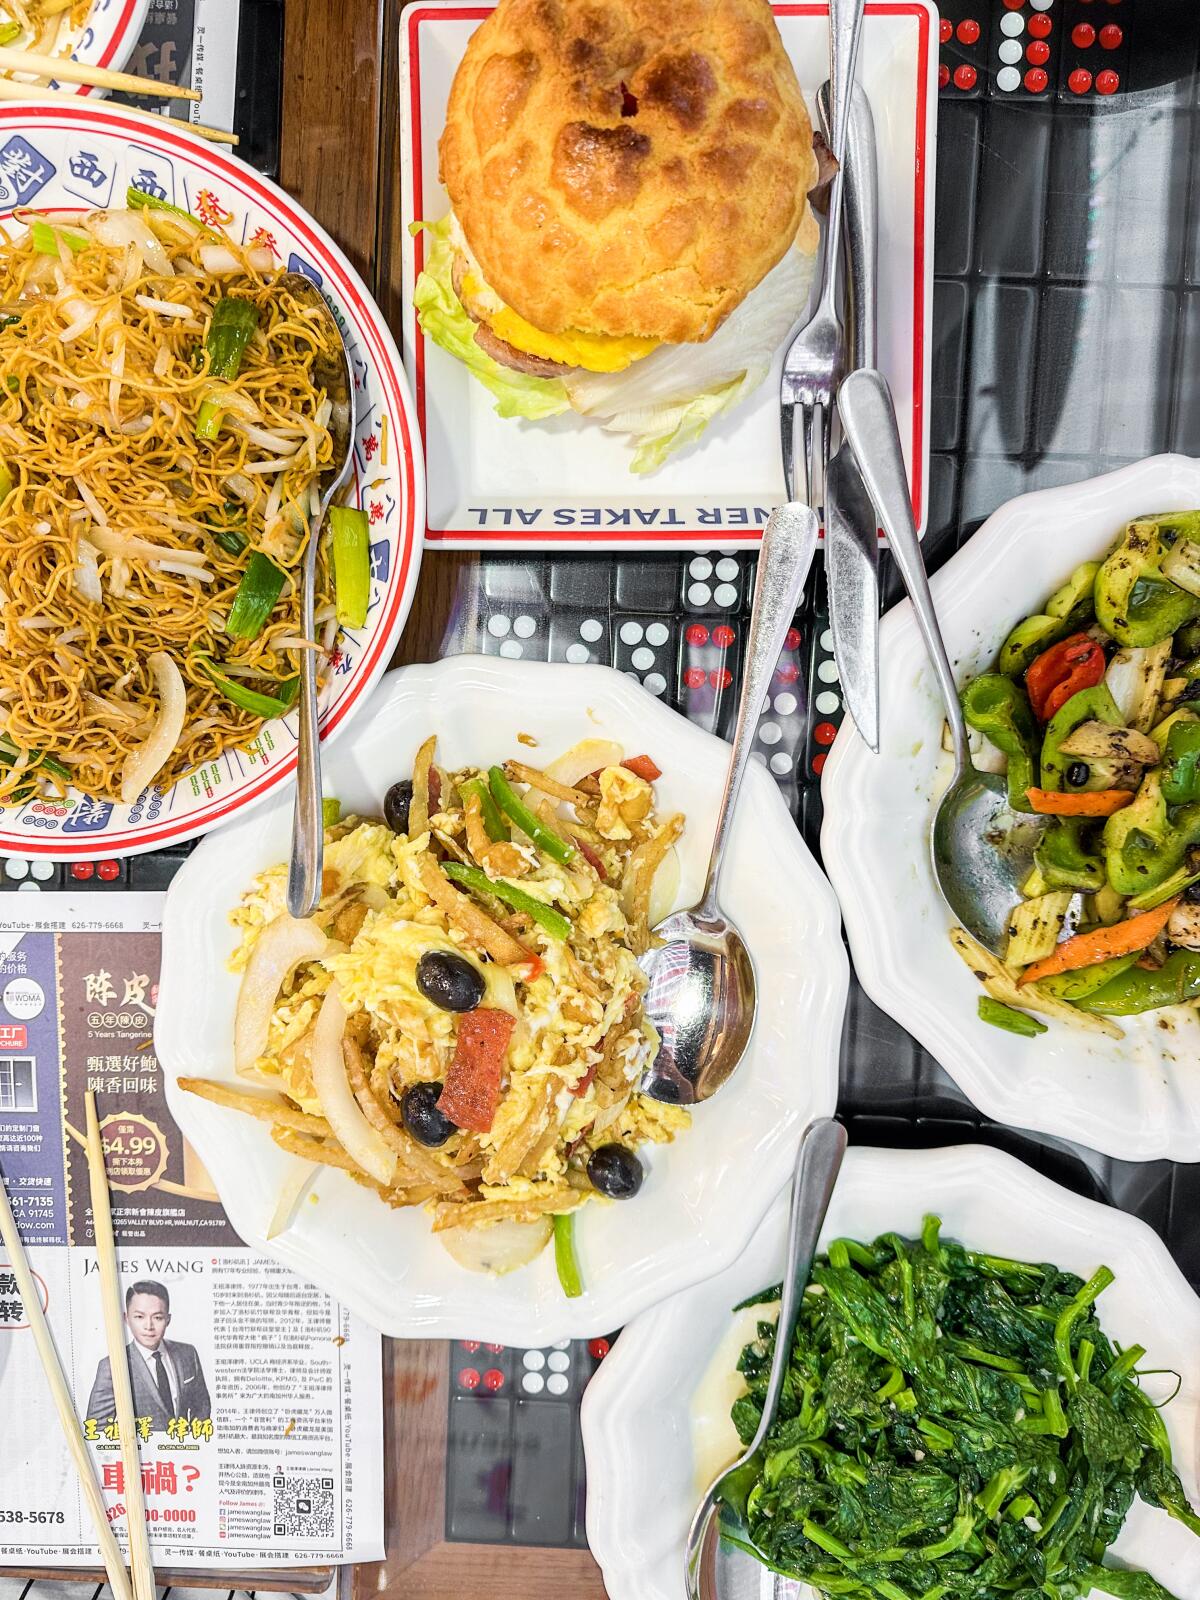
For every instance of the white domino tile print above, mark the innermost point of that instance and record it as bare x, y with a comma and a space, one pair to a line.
546, 1369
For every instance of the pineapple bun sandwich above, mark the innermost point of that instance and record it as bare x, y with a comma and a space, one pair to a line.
629, 234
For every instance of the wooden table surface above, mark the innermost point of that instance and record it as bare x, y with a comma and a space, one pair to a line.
329, 161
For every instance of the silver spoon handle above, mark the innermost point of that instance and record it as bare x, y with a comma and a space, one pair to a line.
817, 1167
869, 422
308, 832
785, 556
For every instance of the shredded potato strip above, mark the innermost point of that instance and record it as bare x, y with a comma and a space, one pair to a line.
332, 1155
265, 1108
414, 1165
465, 914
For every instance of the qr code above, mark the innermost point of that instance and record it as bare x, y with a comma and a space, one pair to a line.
303, 1506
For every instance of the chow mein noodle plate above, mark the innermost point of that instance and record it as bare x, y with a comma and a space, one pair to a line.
92, 34
163, 433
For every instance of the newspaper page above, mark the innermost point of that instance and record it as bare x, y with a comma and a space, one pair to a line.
193, 43
258, 1398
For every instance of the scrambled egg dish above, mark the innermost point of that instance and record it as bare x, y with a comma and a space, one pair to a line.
460, 1023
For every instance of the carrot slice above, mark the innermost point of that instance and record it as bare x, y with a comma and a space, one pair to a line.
643, 767
1101, 944
1096, 803
472, 1090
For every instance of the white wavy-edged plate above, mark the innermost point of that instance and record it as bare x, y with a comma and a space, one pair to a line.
61, 156
1137, 1098
704, 1194
655, 1416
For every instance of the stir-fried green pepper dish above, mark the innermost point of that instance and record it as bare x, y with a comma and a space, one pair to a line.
952, 1424
1092, 708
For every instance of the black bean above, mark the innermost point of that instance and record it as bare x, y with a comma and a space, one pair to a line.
450, 980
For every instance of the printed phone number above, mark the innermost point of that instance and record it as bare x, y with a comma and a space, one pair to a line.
32, 1516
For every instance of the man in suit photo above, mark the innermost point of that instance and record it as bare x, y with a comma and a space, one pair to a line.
168, 1380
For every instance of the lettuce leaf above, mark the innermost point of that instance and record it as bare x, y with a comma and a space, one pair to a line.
666, 401
442, 319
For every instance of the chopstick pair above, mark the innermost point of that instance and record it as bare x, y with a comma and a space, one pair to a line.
141, 1564
10, 89
68, 71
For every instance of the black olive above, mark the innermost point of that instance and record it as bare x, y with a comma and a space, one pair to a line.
615, 1171
449, 980
1078, 773
1192, 894
395, 805
419, 1108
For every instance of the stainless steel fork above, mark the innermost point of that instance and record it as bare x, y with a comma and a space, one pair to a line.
815, 362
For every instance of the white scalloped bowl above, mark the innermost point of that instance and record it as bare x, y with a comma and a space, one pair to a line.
703, 1195
1137, 1098
654, 1416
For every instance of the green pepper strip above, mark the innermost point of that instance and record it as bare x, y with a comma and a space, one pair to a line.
10, 751
262, 705
139, 200
45, 238
1002, 1016
555, 924
257, 594
1174, 983
1063, 858
1143, 846
1134, 602
529, 823
331, 812
1181, 773
999, 708
565, 1259
351, 564
1076, 986
10, 32
1089, 705
493, 823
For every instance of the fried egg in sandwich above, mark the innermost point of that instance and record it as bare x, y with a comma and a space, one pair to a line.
629, 233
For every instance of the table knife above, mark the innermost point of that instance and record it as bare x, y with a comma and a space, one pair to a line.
851, 538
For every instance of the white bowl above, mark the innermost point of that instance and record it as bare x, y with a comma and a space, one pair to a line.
88, 153
1137, 1098
703, 1195
654, 1418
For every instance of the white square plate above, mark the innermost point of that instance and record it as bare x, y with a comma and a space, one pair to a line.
566, 484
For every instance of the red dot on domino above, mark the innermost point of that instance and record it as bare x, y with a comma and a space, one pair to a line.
694, 678
598, 1349
469, 1378
82, 870
493, 1379
1107, 82
1080, 81
1037, 53
943, 75
1040, 27
1083, 36
825, 732
965, 77
720, 678
723, 635
110, 871
819, 762
697, 634
791, 640
1111, 37
1036, 80
945, 30
968, 31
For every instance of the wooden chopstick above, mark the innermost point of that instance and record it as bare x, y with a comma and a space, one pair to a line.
33, 93
110, 1551
140, 1563
68, 71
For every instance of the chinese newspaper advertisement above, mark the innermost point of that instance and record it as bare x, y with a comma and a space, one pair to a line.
253, 1391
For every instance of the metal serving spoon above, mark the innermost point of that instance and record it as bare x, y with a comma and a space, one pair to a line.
817, 1167
982, 850
332, 374
702, 994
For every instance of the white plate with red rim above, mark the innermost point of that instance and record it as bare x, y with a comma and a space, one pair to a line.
88, 154
655, 1417
1136, 1098
565, 484
107, 37
702, 1195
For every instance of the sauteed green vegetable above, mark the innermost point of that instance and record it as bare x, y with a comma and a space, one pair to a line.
952, 1424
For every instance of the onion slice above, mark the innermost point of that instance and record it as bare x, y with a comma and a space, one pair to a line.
280, 948
86, 573
148, 759
361, 1142
589, 755
503, 1247
292, 1190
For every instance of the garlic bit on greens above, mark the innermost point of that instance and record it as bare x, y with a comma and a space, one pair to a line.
952, 1424
1092, 709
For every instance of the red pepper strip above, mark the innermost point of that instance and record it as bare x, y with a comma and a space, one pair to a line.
1062, 671
592, 859
585, 1083
643, 767
472, 1090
